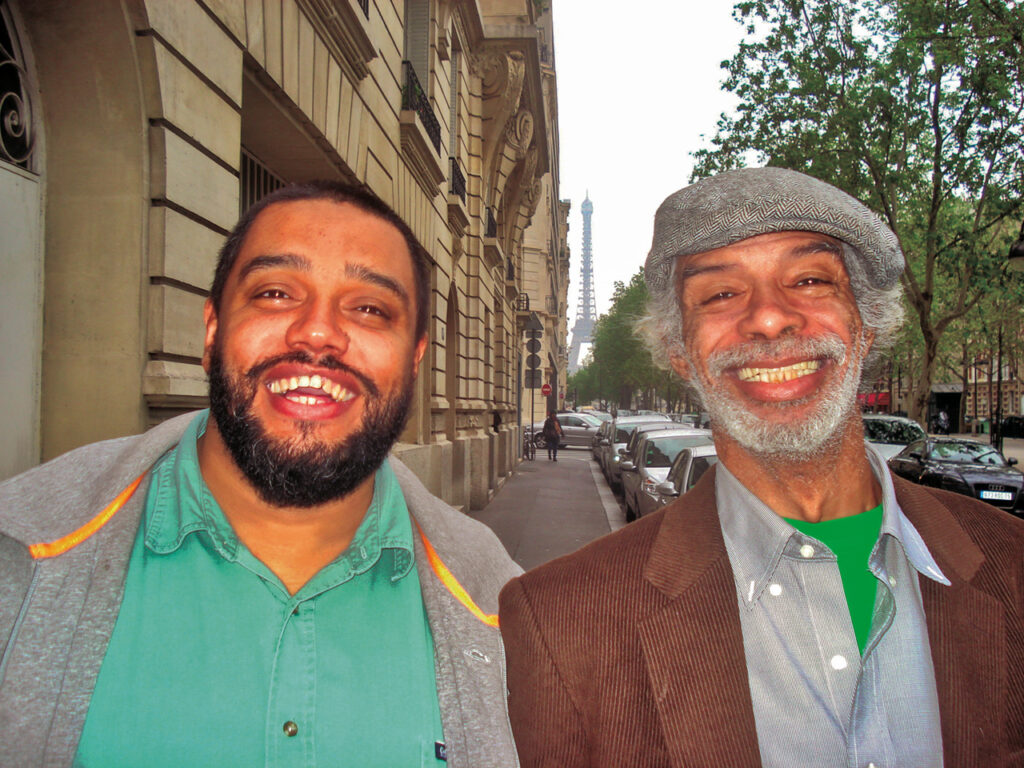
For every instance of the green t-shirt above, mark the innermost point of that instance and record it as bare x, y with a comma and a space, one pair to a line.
213, 663
851, 540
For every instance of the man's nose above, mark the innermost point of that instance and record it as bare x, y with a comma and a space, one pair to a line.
317, 326
770, 314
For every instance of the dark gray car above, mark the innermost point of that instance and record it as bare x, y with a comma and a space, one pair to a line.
648, 465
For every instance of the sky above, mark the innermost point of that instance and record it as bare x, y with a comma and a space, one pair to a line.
637, 88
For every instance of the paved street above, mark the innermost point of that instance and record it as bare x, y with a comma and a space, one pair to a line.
547, 508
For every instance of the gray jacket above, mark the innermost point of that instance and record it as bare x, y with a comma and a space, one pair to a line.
57, 611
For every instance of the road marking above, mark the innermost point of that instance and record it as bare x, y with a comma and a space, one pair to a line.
612, 510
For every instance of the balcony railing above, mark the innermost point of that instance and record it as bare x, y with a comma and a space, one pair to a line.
524, 302
365, 5
510, 270
457, 183
490, 225
414, 98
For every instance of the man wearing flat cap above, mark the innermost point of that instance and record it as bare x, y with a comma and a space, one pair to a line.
800, 605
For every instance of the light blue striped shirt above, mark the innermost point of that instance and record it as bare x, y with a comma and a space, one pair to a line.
816, 700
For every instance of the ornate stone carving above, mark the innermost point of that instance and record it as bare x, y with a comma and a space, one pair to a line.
502, 74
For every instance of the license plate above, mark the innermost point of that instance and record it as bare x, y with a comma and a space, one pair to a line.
997, 495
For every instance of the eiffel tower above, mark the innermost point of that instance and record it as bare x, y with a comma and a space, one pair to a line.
586, 308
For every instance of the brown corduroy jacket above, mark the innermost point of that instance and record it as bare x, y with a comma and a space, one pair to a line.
629, 652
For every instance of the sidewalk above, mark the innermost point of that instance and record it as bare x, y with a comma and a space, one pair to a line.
548, 508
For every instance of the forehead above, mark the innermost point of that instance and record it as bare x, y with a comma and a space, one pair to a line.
328, 235
761, 251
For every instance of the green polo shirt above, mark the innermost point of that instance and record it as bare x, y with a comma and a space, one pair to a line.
213, 663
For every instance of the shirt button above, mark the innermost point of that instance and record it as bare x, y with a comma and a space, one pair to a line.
775, 590
892, 583
290, 729
807, 551
838, 662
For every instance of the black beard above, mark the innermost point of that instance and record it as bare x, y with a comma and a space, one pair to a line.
303, 471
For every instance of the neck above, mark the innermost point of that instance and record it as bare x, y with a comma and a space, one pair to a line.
293, 542
837, 482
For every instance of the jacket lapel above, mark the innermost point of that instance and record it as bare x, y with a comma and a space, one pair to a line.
693, 644
966, 631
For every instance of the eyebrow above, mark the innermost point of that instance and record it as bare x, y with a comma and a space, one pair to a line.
808, 249
301, 263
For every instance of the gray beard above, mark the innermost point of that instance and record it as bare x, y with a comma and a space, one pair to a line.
792, 440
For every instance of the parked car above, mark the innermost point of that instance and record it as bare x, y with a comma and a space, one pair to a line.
577, 429
963, 466
619, 442
890, 434
616, 437
1013, 426
595, 444
686, 470
649, 463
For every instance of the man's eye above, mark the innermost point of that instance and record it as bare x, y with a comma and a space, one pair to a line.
813, 281
373, 309
272, 293
719, 296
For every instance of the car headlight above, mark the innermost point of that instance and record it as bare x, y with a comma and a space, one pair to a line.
957, 484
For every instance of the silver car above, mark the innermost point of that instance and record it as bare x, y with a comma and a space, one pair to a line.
618, 436
577, 429
688, 467
649, 463
890, 434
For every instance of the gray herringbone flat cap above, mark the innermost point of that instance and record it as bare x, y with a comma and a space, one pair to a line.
735, 205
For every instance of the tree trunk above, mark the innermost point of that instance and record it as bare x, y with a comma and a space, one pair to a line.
923, 386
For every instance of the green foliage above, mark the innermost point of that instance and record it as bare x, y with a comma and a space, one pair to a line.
915, 107
620, 369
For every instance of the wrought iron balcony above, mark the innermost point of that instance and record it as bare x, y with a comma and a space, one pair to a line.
457, 182
510, 270
524, 302
365, 5
415, 98
490, 225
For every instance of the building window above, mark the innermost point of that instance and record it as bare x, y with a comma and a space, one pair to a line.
257, 181
17, 101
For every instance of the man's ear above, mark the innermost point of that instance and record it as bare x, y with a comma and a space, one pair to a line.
210, 320
680, 365
421, 348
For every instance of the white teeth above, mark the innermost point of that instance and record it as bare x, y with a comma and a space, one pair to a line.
336, 391
775, 375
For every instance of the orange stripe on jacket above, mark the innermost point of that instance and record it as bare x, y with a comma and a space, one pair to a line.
73, 539
452, 584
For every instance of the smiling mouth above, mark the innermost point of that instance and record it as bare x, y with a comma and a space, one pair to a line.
310, 390
780, 374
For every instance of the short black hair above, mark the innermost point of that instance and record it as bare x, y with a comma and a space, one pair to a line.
336, 192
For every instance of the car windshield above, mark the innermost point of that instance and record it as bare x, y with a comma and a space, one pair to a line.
892, 432
662, 451
966, 453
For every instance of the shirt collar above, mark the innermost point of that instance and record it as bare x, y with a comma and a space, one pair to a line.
180, 503
757, 538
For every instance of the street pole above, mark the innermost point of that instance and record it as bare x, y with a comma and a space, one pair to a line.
997, 428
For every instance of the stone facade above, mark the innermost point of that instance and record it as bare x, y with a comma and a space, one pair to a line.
157, 121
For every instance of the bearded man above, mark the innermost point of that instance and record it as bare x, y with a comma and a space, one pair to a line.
258, 584
800, 606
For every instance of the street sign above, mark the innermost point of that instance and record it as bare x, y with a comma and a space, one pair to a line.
531, 379
545, 390
533, 345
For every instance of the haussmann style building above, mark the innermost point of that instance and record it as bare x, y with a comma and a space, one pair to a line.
133, 132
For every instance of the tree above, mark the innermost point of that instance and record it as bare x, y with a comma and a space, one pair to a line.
912, 106
621, 369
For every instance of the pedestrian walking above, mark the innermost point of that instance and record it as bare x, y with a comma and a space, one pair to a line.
552, 435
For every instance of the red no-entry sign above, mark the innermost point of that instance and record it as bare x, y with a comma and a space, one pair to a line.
545, 390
